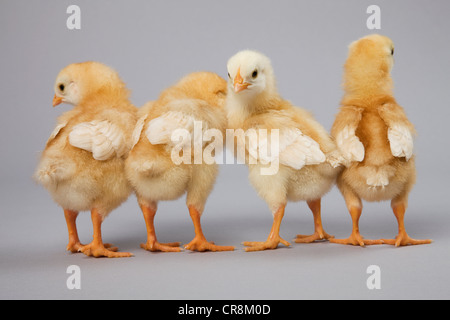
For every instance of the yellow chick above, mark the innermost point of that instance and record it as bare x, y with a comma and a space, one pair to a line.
82, 165
154, 168
289, 154
375, 137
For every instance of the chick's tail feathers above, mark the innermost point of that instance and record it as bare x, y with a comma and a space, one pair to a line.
51, 171
377, 177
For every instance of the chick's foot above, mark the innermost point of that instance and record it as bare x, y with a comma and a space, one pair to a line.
356, 239
74, 247
319, 233
164, 247
199, 243
269, 244
402, 239
317, 236
103, 250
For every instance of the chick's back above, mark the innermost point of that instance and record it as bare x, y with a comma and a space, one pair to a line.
198, 96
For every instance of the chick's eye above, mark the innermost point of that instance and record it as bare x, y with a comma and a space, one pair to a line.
229, 75
254, 74
392, 51
61, 87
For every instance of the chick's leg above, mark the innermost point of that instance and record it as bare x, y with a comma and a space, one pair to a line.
96, 248
402, 239
319, 233
199, 243
152, 243
274, 237
74, 243
354, 206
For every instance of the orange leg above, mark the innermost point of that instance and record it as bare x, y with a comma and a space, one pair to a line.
74, 243
402, 239
152, 243
356, 238
199, 243
319, 233
274, 237
96, 248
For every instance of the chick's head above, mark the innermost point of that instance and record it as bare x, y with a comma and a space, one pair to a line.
203, 85
80, 81
370, 59
250, 73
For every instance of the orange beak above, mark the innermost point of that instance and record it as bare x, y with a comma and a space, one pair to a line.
56, 100
239, 83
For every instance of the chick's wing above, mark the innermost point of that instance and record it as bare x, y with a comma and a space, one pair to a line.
401, 141
289, 146
182, 117
102, 138
400, 130
349, 144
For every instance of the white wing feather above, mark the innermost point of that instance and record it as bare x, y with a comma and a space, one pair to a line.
292, 148
102, 138
301, 151
349, 144
401, 141
138, 130
160, 129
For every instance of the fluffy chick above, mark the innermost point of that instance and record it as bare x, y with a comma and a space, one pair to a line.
82, 165
153, 166
375, 136
305, 166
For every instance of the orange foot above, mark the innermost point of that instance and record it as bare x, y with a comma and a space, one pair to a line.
165, 247
402, 239
103, 250
200, 243
74, 246
314, 237
271, 243
357, 240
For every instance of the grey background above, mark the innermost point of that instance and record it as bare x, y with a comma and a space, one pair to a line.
154, 43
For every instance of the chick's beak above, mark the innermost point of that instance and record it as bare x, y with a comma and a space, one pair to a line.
56, 100
239, 83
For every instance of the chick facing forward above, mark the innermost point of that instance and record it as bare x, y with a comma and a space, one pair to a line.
290, 155
82, 165
154, 167
375, 137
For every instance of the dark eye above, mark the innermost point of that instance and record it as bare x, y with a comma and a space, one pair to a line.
392, 51
254, 74
229, 75
61, 87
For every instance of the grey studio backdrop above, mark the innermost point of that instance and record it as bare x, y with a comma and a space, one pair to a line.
154, 43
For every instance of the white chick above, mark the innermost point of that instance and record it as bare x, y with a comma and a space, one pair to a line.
305, 166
